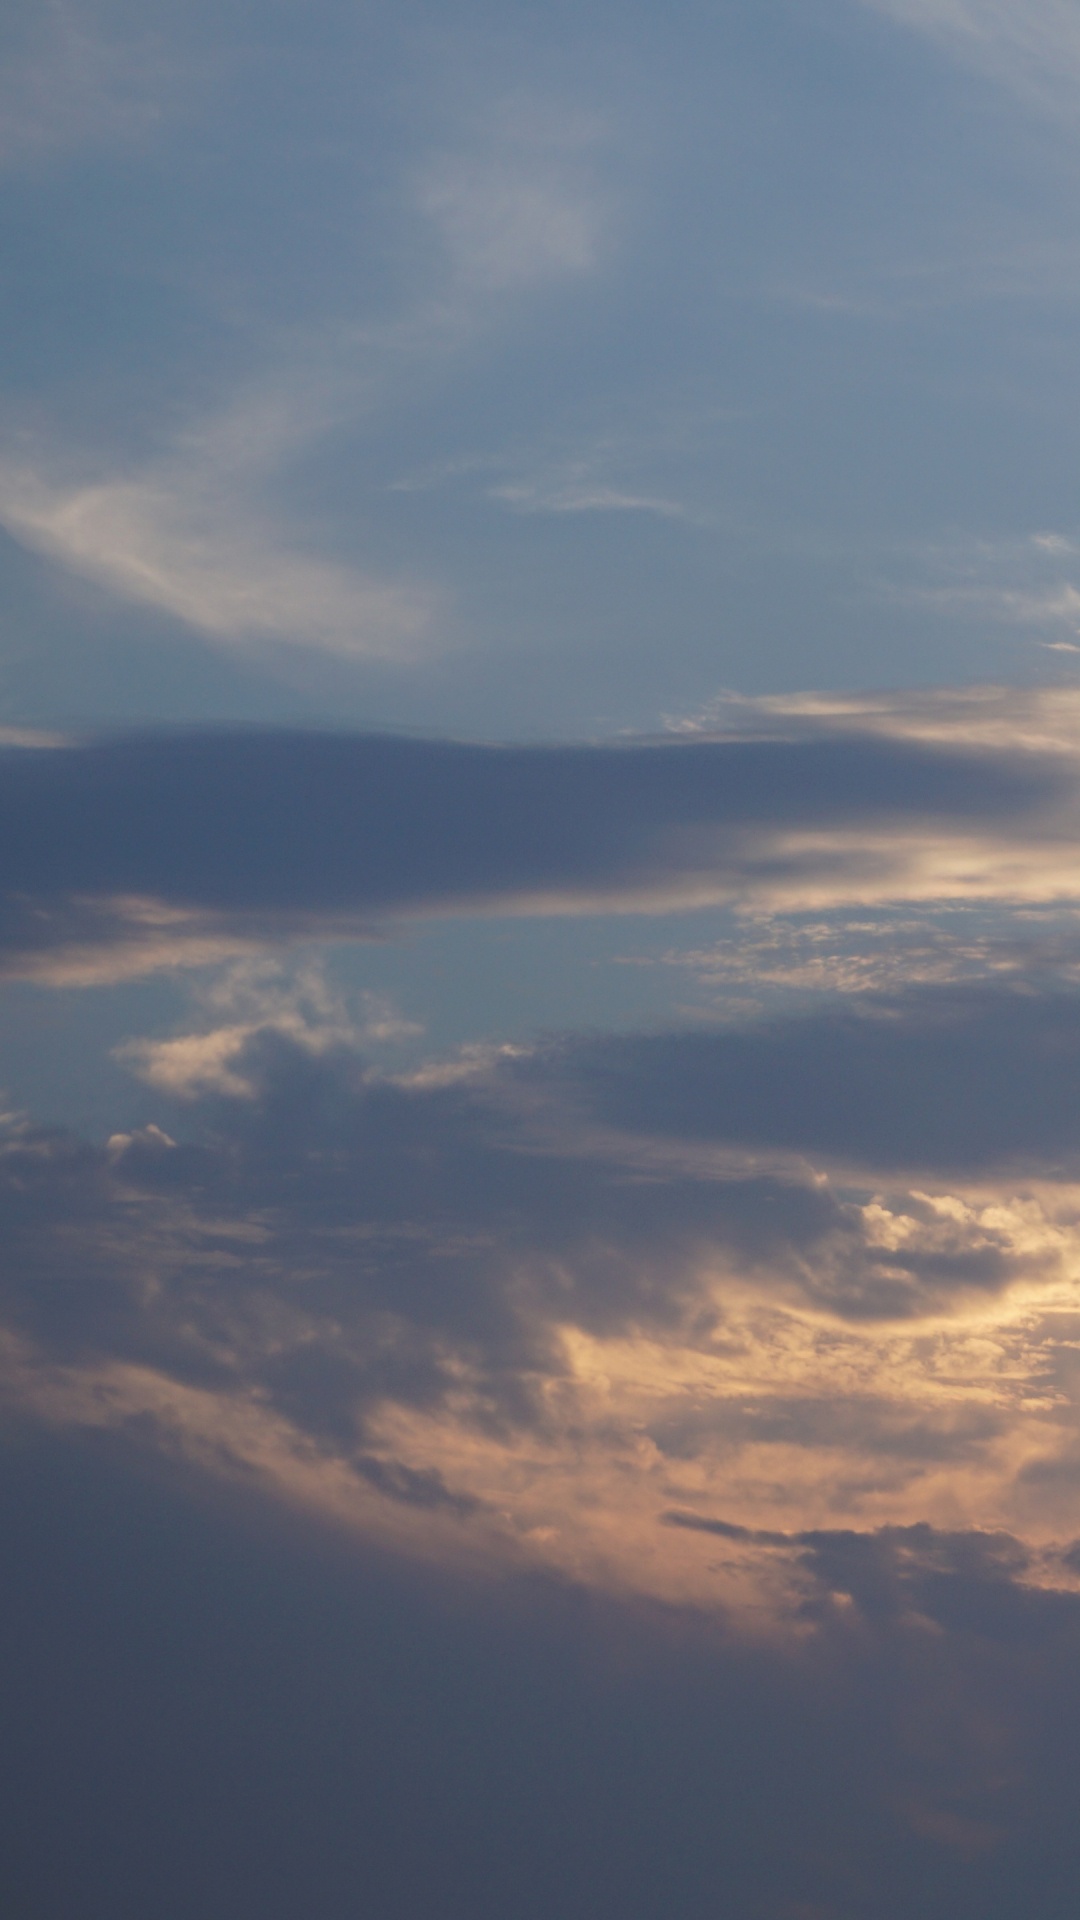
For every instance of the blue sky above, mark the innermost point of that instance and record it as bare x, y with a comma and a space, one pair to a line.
539, 953
533, 370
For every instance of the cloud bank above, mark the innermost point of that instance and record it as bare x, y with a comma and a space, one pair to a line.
518, 1316
328, 1725
751, 1344
124, 853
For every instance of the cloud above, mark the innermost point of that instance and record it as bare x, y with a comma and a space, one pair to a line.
465, 1320
126, 851
1030, 46
262, 997
814, 1273
197, 529
1050, 607
610, 464
580, 494
1036, 719
985, 1584
788, 958
508, 228
964, 1077
75, 79
327, 1720
519, 203
175, 538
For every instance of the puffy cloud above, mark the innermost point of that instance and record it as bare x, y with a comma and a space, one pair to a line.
513, 1308
257, 997
462, 1319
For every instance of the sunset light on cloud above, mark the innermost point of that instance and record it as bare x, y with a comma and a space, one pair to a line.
540, 961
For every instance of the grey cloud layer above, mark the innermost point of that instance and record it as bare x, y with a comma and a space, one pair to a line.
263, 831
949, 1079
536, 1299
327, 1727
334, 1244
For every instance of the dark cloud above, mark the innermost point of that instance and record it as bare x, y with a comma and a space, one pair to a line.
337, 1241
345, 1239
341, 1733
266, 829
392, 1273
425, 1488
979, 1583
207, 1709
949, 1079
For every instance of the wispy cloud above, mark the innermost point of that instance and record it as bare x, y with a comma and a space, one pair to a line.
602, 474
1030, 46
73, 78
579, 493
180, 540
504, 232
987, 718
191, 531
1027, 581
518, 202
198, 531
777, 958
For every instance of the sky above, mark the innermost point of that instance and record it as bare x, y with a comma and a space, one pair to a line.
540, 960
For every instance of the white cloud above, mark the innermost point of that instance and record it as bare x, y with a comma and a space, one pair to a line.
190, 533
581, 495
169, 539
262, 996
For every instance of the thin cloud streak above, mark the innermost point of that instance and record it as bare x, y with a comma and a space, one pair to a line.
170, 542
1030, 46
